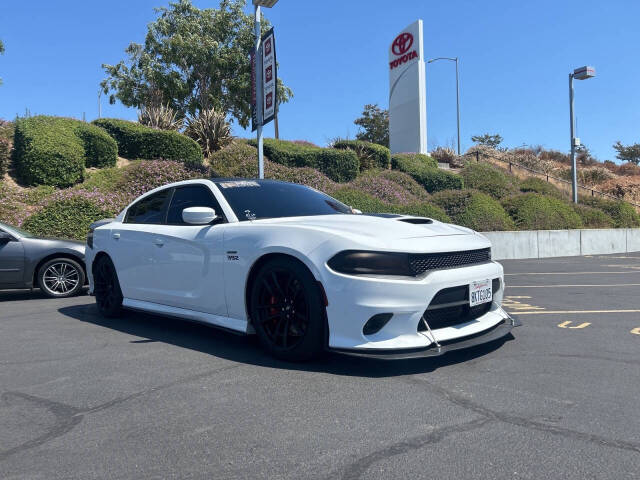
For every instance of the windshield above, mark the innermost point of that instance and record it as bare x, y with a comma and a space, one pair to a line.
256, 199
17, 232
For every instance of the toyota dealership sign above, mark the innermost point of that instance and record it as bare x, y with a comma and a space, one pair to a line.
407, 100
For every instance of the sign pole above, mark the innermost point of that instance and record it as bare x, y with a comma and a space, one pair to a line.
258, 80
574, 169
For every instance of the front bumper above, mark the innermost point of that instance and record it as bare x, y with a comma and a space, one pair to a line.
496, 332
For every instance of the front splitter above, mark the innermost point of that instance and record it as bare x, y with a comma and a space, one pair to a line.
496, 332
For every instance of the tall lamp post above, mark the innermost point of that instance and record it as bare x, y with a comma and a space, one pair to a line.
259, 106
582, 73
457, 91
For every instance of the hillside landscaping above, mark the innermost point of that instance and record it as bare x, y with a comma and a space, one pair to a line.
59, 175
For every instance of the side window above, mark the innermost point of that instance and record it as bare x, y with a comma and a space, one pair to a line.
151, 209
190, 196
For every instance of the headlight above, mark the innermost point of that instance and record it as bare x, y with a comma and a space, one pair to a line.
354, 262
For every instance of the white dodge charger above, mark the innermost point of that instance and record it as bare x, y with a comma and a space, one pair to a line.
300, 269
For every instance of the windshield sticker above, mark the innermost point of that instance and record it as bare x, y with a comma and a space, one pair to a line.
240, 183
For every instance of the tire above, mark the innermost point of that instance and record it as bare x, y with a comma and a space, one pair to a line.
287, 311
107, 288
61, 277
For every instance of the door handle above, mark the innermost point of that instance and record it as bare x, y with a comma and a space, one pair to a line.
158, 242
116, 236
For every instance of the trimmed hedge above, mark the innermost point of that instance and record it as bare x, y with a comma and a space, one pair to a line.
135, 141
47, 151
100, 149
474, 209
339, 165
68, 218
370, 155
532, 211
489, 180
622, 214
593, 217
432, 179
424, 159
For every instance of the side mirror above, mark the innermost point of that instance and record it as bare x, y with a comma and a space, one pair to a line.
198, 215
5, 237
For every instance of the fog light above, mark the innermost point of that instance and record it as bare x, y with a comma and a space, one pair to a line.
375, 323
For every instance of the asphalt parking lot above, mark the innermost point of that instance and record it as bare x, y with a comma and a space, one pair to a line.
147, 397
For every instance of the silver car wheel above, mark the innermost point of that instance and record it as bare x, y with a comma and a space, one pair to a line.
60, 278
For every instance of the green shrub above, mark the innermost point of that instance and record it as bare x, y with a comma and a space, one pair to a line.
622, 213
432, 179
361, 200
422, 209
135, 141
4, 156
66, 218
489, 179
532, 211
47, 151
225, 162
105, 179
338, 165
538, 185
370, 155
593, 217
100, 149
474, 209
425, 160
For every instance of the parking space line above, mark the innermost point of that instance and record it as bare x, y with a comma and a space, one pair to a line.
636, 331
568, 322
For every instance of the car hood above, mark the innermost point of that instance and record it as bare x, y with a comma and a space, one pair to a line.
393, 233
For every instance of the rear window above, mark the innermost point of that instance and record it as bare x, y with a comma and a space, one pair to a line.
253, 200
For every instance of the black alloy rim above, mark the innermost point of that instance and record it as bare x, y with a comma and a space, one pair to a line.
106, 286
283, 309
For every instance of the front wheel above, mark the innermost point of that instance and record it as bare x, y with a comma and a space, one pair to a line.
61, 278
107, 288
287, 310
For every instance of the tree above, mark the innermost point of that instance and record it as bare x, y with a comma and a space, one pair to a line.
489, 140
191, 60
1, 52
628, 153
375, 125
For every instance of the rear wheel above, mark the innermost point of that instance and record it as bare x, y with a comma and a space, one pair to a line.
287, 310
60, 278
107, 288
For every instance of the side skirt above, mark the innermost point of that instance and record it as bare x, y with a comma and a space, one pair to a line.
231, 324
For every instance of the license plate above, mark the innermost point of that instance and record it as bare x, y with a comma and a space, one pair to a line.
480, 292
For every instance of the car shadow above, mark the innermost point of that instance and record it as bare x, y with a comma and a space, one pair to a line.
246, 349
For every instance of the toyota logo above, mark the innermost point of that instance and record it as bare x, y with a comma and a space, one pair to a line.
402, 43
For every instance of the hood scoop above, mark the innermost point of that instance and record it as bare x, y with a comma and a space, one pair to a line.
416, 221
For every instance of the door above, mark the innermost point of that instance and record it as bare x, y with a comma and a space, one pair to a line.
132, 245
11, 262
188, 258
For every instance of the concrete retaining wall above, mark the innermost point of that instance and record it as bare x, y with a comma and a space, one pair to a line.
563, 243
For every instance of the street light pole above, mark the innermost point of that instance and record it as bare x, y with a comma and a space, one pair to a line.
258, 60
457, 92
574, 168
582, 73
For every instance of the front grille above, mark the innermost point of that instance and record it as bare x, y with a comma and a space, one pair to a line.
450, 306
422, 262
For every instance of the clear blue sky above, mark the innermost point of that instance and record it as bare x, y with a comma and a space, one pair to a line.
515, 58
